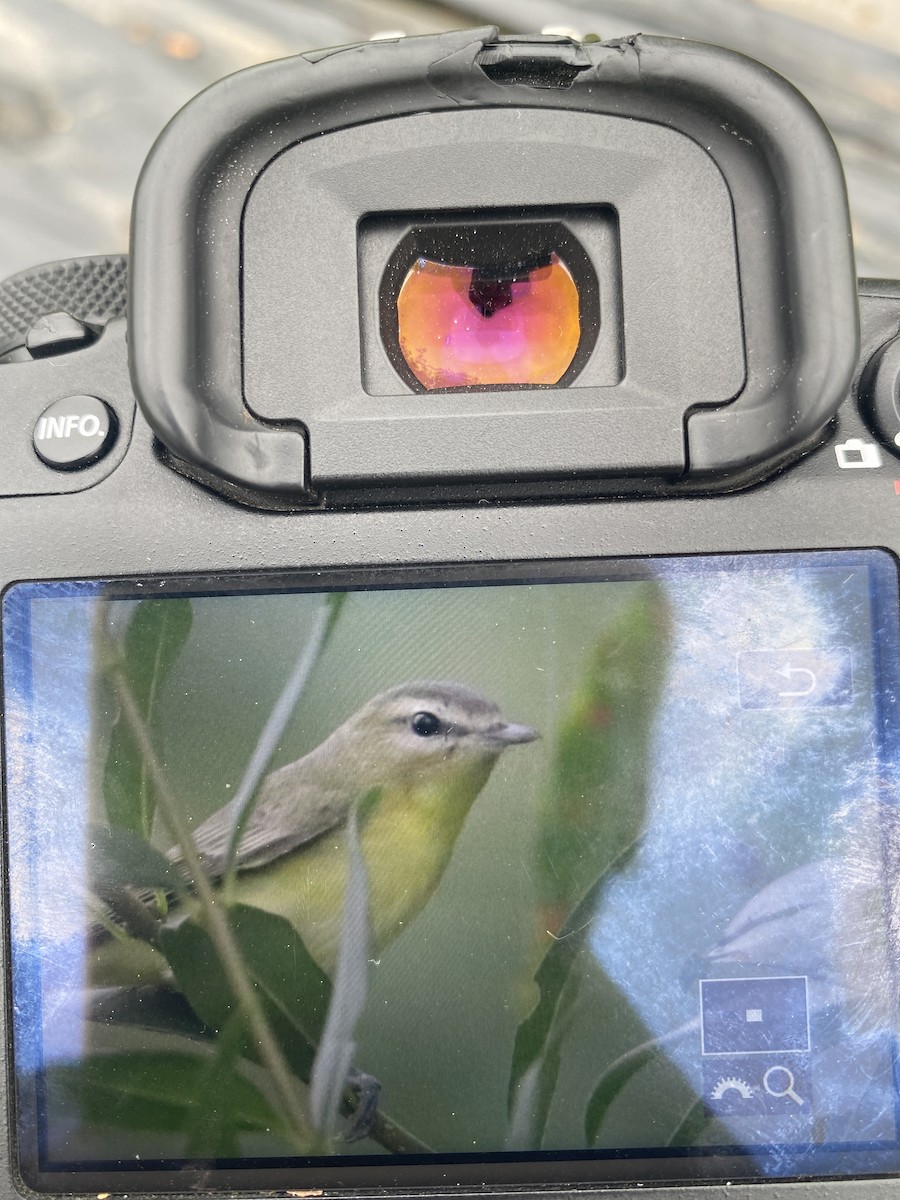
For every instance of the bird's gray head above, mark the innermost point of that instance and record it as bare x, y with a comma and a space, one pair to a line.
417, 724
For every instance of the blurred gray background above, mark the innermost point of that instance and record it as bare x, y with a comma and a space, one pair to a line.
85, 86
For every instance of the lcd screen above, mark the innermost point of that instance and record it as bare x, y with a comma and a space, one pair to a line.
512, 874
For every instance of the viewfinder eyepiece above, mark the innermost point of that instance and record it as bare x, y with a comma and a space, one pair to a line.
646, 286
489, 305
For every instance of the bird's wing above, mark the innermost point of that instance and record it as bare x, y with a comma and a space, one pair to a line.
287, 814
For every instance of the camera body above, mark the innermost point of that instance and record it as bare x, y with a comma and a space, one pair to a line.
254, 416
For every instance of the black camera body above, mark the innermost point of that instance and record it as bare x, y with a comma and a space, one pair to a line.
257, 421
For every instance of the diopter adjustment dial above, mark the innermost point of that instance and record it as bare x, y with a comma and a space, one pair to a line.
879, 394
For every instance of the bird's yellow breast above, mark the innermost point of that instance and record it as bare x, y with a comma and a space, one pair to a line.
406, 841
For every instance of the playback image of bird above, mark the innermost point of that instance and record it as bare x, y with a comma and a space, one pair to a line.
413, 759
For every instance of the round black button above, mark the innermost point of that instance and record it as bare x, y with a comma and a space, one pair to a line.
879, 392
74, 432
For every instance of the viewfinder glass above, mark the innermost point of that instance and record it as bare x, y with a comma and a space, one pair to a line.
492, 305
474, 327
515, 875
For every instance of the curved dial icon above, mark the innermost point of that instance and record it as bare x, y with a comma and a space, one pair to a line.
732, 1083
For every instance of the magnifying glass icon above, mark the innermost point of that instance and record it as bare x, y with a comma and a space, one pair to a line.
779, 1081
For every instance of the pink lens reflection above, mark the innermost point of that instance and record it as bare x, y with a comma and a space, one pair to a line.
459, 329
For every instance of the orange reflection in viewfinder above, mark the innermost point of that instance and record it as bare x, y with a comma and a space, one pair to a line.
459, 327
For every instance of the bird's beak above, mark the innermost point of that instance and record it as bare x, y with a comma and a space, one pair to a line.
509, 734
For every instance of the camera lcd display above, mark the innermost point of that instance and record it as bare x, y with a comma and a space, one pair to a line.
523, 873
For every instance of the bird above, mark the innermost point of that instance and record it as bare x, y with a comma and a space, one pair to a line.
416, 757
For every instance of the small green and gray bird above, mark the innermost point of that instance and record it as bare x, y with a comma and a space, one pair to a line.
420, 753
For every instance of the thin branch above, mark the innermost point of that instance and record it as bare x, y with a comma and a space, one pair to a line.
395, 1138
334, 1056
267, 743
218, 926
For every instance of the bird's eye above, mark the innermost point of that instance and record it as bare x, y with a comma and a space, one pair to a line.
425, 724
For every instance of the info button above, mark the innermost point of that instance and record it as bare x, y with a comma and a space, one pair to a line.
74, 432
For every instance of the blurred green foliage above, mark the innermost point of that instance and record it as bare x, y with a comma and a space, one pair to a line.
591, 816
160, 1091
593, 805
153, 640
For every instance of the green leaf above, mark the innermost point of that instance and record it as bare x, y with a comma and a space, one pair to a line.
611, 1083
283, 968
211, 1128
159, 1090
591, 819
556, 980
294, 991
123, 859
153, 640
335, 602
156, 1008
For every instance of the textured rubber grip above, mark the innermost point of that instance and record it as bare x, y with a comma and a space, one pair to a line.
91, 289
